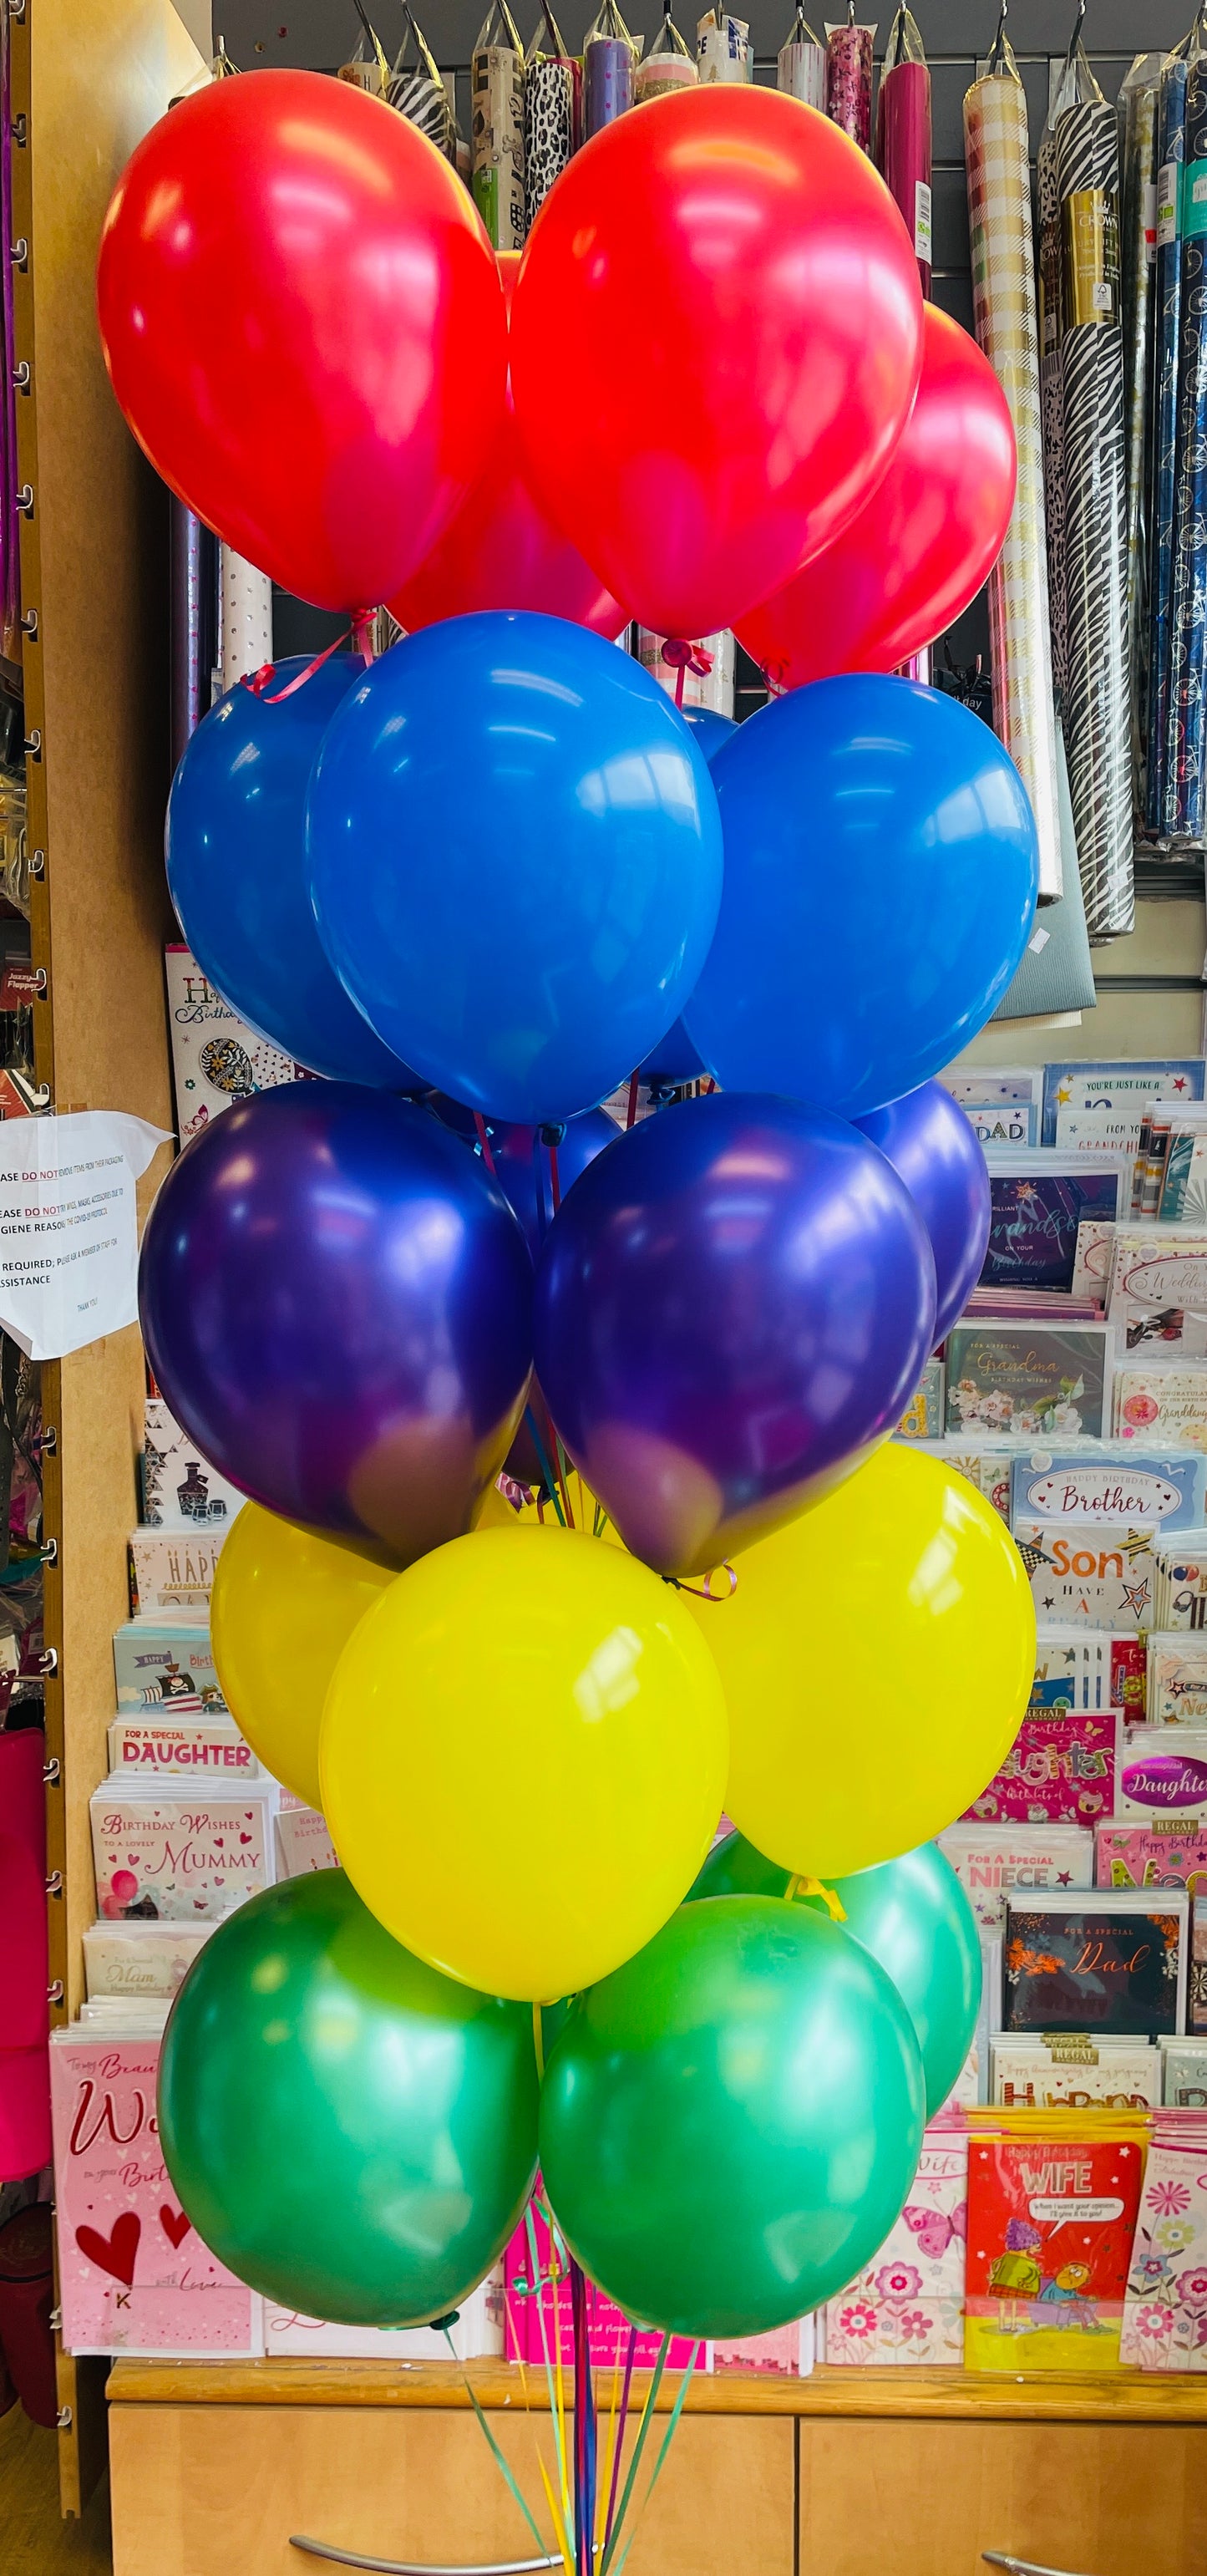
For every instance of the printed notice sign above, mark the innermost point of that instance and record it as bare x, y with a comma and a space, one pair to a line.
69, 1227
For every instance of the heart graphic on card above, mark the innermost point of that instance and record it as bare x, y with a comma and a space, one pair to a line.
245, 1838
175, 2224
218, 1841
115, 2253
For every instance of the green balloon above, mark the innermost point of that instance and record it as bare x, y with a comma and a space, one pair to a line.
350, 2131
731, 2121
913, 1915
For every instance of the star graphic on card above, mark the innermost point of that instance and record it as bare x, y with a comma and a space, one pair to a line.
1064, 1878
1049, 1601
1136, 1596
1179, 1082
1064, 1092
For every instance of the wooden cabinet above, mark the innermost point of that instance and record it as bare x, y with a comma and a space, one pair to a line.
854, 2472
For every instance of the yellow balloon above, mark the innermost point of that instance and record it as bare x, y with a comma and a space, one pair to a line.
523, 1757
284, 1604
877, 1657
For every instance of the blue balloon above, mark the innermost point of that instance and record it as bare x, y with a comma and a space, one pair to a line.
336, 1301
516, 860
881, 871
237, 873
931, 1144
674, 1060
709, 727
734, 1305
523, 1162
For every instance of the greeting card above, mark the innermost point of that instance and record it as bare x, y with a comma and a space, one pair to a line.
1184, 2074
173, 1570
1161, 1854
140, 1960
180, 1488
1102, 1577
1037, 1203
1165, 2311
1087, 1668
1104, 1485
1100, 1963
182, 1859
923, 1415
478, 2331
1114, 1092
1027, 1378
303, 1842
134, 2275
1176, 1678
1070, 2070
990, 1864
907, 2304
161, 1663
216, 1058
787, 2352
1156, 1402
539, 2321
1196, 2002
140, 1747
1162, 1772
1050, 2225
1060, 1770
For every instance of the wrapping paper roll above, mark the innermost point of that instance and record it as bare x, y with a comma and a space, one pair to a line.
801, 65
497, 148
903, 133
1051, 400
723, 49
10, 549
999, 214
668, 64
1139, 105
608, 58
1188, 681
193, 581
552, 111
1167, 333
417, 92
849, 78
1097, 719
245, 619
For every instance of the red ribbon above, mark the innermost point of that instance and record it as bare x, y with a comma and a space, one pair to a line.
682, 658
359, 634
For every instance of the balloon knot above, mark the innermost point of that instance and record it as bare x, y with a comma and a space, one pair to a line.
682, 657
801, 1885
706, 1593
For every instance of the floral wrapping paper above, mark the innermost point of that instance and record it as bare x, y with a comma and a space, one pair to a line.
1165, 2304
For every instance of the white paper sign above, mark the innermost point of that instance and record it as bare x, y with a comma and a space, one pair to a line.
69, 1226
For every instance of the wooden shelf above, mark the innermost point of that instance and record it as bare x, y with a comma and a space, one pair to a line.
1073, 2397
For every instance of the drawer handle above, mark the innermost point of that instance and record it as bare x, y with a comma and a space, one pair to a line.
407, 2566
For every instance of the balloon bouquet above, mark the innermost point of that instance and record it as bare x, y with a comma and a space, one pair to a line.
474, 884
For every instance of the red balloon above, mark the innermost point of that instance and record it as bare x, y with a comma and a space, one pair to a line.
920, 548
302, 321
715, 344
502, 551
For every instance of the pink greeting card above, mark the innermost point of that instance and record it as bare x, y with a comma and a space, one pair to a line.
1157, 1855
134, 2275
907, 2304
539, 2322
1060, 1770
186, 1859
1165, 2304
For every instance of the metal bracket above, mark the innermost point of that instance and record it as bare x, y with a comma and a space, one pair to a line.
33, 744
49, 1658
64, 2419
25, 500
29, 624
52, 1772
54, 1882
50, 1437
50, 1553
18, 252
54, 1995
21, 384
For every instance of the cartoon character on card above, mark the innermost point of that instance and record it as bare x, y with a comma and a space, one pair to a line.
1015, 2274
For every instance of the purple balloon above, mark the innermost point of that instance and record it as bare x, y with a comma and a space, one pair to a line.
336, 1302
734, 1305
931, 1144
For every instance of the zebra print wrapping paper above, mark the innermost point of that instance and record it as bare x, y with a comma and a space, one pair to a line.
1185, 779
1171, 153
1096, 719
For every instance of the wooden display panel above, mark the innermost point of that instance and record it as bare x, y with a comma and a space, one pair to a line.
89, 77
